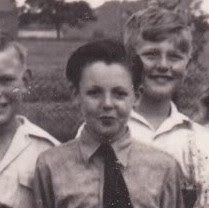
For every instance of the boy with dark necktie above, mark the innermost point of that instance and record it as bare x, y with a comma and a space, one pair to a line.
105, 167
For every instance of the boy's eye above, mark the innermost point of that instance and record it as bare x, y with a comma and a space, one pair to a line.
151, 54
175, 57
94, 92
120, 94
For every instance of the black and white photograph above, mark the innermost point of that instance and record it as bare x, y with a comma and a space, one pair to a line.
104, 103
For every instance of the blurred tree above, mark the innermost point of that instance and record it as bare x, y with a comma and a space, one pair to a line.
8, 18
56, 12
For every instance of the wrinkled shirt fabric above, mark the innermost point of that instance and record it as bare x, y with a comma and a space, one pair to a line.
18, 164
72, 175
186, 141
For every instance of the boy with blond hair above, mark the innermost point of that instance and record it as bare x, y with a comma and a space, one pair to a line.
20, 140
163, 41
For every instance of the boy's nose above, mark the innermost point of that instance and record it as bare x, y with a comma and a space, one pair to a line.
163, 64
107, 102
164, 61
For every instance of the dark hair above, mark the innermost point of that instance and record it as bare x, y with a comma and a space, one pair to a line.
109, 51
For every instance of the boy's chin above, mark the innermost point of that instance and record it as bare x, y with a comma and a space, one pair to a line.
160, 94
6, 119
107, 135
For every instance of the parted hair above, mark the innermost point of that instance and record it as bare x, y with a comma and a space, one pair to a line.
107, 50
156, 24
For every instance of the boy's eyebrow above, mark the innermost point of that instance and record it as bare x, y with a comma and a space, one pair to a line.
119, 88
151, 50
95, 86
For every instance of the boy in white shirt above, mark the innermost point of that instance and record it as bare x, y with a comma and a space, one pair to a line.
163, 41
20, 140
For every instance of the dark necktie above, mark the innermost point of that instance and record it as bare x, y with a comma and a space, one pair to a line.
190, 197
115, 191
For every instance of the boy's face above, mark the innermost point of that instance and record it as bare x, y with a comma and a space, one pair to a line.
11, 85
106, 96
165, 66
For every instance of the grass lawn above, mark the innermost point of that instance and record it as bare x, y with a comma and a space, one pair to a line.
49, 103
61, 119
49, 55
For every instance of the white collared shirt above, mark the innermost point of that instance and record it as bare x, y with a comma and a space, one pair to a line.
185, 140
172, 135
18, 164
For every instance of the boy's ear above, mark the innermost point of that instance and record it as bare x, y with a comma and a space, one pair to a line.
137, 97
76, 96
74, 92
27, 76
135, 100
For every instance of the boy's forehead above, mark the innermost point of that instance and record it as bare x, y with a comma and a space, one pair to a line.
179, 41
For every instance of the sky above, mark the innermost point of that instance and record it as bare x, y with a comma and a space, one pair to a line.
96, 3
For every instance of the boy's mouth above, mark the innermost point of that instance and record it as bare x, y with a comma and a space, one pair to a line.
107, 120
162, 78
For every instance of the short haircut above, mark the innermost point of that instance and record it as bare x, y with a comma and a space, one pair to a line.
7, 43
108, 51
156, 24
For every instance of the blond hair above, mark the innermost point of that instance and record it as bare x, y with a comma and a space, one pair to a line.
156, 24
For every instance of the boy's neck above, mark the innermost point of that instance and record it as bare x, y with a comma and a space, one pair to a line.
7, 133
155, 111
105, 138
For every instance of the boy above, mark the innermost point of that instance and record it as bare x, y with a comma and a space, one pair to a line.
104, 166
163, 41
20, 141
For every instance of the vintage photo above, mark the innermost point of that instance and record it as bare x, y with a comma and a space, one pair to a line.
104, 104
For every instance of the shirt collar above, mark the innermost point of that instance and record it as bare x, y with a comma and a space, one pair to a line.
89, 145
29, 129
175, 118
136, 116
